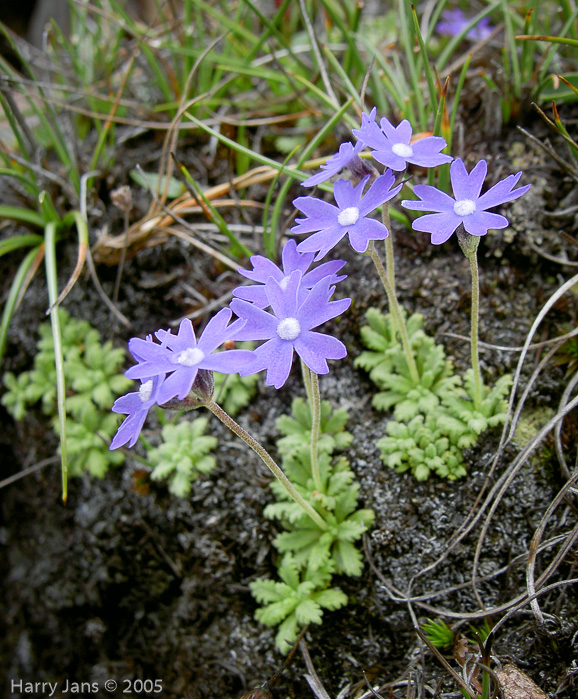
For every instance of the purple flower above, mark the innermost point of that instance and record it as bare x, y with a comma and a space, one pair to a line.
348, 217
136, 406
289, 328
291, 260
181, 356
391, 144
455, 21
468, 207
346, 156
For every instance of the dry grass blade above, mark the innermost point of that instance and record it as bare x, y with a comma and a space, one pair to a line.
108, 248
567, 286
558, 260
166, 163
318, 57
510, 422
499, 490
31, 469
506, 348
90, 262
460, 680
565, 165
312, 678
518, 606
558, 431
536, 539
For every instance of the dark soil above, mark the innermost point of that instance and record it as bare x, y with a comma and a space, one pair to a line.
128, 582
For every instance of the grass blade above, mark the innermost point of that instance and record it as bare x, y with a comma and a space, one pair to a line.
252, 155
16, 213
17, 289
238, 249
427, 67
19, 241
319, 138
52, 284
82, 230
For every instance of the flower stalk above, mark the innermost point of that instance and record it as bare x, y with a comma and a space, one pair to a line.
469, 245
395, 312
389, 255
268, 460
475, 319
315, 405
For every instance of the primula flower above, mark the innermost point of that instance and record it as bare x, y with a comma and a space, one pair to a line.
289, 328
348, 217
468, 207
455, 21
391, 144
136, 406
181, 356
347, 156
291, 260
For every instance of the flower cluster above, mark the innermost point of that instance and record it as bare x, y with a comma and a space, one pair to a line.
396, 148
283, 306
171, 367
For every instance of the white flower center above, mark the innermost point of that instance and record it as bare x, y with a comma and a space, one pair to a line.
464, 207
283, 283
348, 216
145, 390
190, 356
288, 329
402, 150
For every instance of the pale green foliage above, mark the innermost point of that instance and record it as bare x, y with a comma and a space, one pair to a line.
388, 367
309, 544
86, 449
297, 429
419, 446
93, 379
435, 419
463, 422
379, 338
319, 549
295, 602
17, 397
312, 555
184, 455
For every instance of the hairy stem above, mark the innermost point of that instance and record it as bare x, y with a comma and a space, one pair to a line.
268, 460
315, 405
389, 257
473, 258
307, 381
395, 312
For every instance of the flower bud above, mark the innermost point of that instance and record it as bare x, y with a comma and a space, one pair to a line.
360, 168
468, 243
